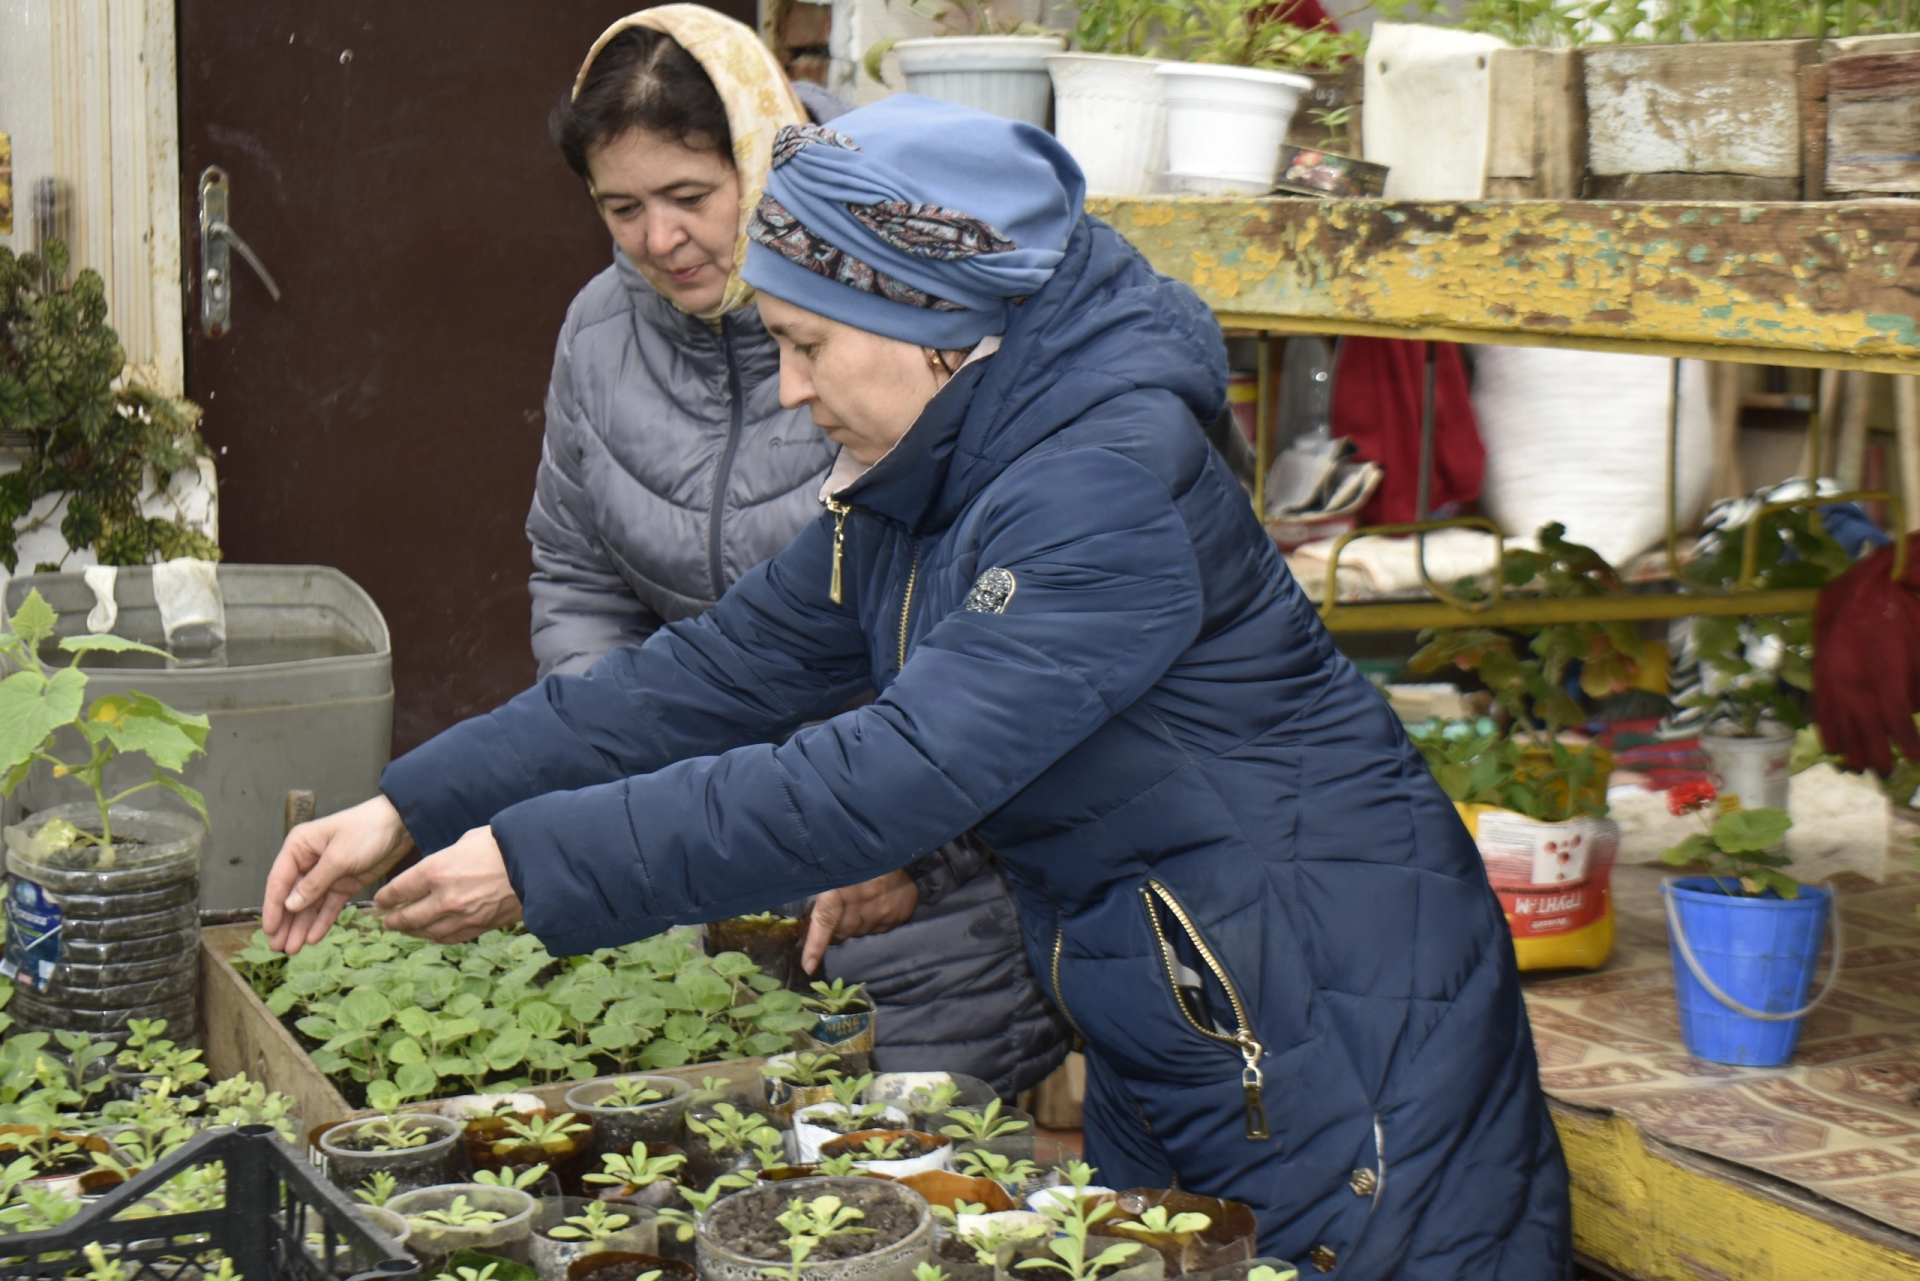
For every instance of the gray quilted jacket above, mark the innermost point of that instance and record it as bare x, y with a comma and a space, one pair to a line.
669, 470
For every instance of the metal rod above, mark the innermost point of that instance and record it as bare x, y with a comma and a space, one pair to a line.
1528, 611
1424, 493
1265, 406
1673, 474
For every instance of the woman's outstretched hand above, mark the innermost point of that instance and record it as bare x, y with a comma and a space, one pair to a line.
871, 907
454, 896
323, 864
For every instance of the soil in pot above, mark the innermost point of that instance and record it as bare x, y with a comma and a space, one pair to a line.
960, 1262
616, 1126
354, 1151
771, 941
823, 1122
622, 1265
746, 1223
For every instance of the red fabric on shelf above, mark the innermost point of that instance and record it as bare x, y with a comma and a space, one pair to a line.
1376, 405
1305, 13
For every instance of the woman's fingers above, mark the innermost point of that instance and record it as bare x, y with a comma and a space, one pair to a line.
320, 867
827, 911
454, 896
871, 907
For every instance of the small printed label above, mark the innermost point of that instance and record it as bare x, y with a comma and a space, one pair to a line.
1533, 915
1520, 851
33, 935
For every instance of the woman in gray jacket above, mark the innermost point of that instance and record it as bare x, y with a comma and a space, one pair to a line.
669, 470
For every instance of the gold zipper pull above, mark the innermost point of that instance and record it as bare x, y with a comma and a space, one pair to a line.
839, 510
1250, 1081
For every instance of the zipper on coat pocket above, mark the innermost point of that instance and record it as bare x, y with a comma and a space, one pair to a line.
1251, 1051
1059, 941
839, 510
906, 607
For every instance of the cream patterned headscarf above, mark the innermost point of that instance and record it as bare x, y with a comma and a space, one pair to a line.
755, 91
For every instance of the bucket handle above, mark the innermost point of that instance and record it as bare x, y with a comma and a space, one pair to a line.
1713, 989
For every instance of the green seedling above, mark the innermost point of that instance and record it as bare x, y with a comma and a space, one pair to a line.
981, 1163
769, 918
879, 1149
1266, 1273
99, 1266
37, 703
394, 1134
551, 1133
982, 1126
457, 1215
937, 1099
728, 1130
950, 1215
1073, 1215
991, 1241
596, 1223
43, 1141
520, 1179
769, 1148
929, 1272
803, 1069
239, 1101
379, 1189
837, 997
683, 1221
464, 1273
638, 1170
629, 1092
1156, 1222
808, 1223
845, 1164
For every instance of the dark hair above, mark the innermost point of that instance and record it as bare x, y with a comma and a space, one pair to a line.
643, 79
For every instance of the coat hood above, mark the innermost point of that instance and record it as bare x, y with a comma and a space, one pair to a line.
755, 91
1104, 326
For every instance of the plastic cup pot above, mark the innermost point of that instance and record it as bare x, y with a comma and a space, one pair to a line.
823, 1122
623, 1265
617, 1126
568, 1228
1008, 1131
914, 1152
59, 1172
561, 1141
927, 1097
1230, 1235
465, 1216
740, 1238
656, 1195
382, 1220
784, 1097
417, 1148
771, 941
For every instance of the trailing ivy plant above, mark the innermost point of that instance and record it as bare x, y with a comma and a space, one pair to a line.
396, 1019
92, 434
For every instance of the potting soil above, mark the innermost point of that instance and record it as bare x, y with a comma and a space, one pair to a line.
745, 1223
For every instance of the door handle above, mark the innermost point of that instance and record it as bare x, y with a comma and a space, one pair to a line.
217, 239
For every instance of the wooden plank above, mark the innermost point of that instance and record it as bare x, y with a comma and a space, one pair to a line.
1658, 1213
1873, 123
241, 1035
1536, 137
1691, 187
1535, 611
1813, 132
1824, 284
1730, 108
1906, 419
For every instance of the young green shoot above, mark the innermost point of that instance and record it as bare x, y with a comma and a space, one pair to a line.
882, 1149
1156, 1222
845, 1164
457, 1215
837, 997
1266, 1273
519, 1179
728, 1129
1073, 1216
950, 1215
629, 1092
981, 1163
937, 1099
550, 1133
378, 1189
769, 1148
808, 1223
802, 1069
465, 1273
393, 1134
683, 1221
638, 1170
983, 1126
595, 1223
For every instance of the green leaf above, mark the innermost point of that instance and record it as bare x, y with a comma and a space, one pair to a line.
663, 1053
188, 794
1697, 848
539, 1018
1744, 831
32, 707
114, 644
168, 737
364, 1009
507, 1049
406, 1050
35, 620
416, 1080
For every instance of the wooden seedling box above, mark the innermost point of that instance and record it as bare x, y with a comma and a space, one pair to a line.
241, 1034
1873, 123
1536, 125
1711, 121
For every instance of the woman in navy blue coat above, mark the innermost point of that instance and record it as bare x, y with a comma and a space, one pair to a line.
1237, 879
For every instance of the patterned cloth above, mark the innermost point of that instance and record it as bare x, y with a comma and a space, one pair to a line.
758, 98
1841, 1120
918, 220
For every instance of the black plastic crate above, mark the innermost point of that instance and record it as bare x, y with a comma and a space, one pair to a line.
275, 1199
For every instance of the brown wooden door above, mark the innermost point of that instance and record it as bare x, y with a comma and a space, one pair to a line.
390, 164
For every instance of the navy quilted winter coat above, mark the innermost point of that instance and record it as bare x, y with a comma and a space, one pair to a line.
1232, 866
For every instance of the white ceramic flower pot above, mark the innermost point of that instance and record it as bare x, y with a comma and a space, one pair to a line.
1003, 75
1225, 126
1110, 113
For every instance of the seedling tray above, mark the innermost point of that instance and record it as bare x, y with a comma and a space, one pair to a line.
274, 1201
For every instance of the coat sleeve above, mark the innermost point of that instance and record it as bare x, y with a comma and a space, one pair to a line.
582, 607
1107, 596
771, 656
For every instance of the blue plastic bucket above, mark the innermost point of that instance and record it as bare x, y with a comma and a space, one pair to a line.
1761, 952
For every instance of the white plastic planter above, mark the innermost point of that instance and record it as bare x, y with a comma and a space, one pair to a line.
807, 1137
1754, 770
1110, 113
1225, 126
1002, 75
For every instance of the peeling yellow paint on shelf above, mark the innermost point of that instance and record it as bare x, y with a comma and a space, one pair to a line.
1833, 283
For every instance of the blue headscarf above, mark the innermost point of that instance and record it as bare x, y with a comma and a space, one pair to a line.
914, 219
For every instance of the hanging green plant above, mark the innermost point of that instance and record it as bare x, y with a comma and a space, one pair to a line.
91, 433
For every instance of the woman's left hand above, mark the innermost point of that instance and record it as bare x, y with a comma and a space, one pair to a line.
454, 896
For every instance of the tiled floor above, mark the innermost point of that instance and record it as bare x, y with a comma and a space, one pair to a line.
1842, 1120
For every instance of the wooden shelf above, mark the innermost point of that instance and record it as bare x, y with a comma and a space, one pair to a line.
1834, 285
